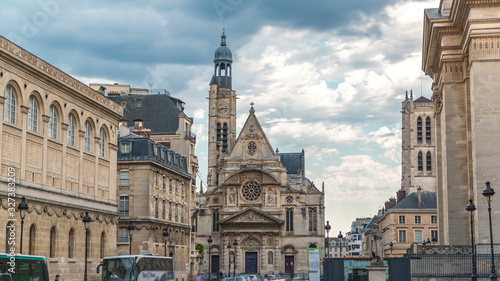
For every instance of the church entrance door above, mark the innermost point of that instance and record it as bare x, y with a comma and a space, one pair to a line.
251, 262
289, 260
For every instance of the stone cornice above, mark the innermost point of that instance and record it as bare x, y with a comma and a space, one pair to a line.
18, 54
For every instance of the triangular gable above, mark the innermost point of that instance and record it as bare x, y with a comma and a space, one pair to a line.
251, 215
252, 143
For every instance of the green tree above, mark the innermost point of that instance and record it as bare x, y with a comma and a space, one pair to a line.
200, 249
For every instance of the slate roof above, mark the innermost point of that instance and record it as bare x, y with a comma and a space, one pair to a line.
422, 99
372, 221
429, 201
159, 112
293, 162
145, 149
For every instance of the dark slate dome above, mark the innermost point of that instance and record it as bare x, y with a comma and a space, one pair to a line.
223, 52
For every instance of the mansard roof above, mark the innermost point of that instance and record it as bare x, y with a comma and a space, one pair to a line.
145, 149
429, 202
160, 113
293, 162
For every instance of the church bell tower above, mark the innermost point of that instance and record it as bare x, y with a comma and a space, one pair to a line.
222, 112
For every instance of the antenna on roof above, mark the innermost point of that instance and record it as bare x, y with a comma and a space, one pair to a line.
150, 87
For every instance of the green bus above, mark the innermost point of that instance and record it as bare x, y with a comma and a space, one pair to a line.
23, 268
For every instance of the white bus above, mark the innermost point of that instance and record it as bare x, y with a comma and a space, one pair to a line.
23, 267
137, 268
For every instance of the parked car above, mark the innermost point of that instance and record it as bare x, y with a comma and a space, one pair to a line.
250, 277
272, 277
237, 278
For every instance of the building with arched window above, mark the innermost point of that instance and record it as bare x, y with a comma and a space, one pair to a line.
44, 158
418, 168
260, 210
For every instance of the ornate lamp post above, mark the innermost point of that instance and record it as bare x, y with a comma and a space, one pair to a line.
165, 236
131, 229
471, 208
488, 192
340, 237
23, 209
86, 223
390, 246
327, 228
229, 259
209, 257
235, 244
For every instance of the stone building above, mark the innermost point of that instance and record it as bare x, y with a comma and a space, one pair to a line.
461, 53
418, 149
154, 191
260, 211
413, 220
58, 145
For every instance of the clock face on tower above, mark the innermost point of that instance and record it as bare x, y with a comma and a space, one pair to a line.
222, 108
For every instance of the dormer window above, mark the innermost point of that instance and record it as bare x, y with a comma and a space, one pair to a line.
138, 103
125, 147
138, 123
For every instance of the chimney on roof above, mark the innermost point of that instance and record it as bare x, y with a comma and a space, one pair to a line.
419, 195
389, 204
400, 195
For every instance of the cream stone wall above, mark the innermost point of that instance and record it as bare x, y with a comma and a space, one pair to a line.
61, 181
461, 53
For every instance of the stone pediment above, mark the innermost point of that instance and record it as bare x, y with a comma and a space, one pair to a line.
251, 174
251, 216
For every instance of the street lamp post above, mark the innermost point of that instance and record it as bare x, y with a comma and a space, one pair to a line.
235, 244
471, 208
209, 257
23, 208
390, 246
165, 236
340, 237
229, 259
131, 229
86, 223
488, 192
327, 228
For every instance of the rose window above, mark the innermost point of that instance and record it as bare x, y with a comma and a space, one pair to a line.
289, 199
251, 191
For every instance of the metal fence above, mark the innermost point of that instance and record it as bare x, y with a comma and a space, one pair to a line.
449, 265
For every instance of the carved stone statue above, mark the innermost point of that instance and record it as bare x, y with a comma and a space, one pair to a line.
376, 252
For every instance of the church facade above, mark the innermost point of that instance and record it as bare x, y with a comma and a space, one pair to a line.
260, 214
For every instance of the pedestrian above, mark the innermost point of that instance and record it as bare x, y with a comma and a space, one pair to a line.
58, 277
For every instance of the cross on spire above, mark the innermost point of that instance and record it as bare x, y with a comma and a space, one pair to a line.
252, 110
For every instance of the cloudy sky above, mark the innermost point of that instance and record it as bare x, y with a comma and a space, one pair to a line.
325, 76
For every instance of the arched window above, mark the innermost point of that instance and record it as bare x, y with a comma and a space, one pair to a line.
313, 223
419, 130
289, 219
32, 240
428, 161
53, 238
70, 140
9, 109
270, 257
87, 137
103, 244
71, 243
420, 162
428, 130
33, 114
215, 220
102, 143
54, 122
